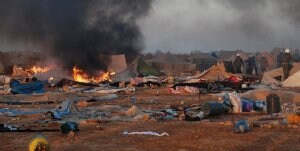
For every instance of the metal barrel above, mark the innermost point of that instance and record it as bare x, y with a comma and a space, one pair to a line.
273, 104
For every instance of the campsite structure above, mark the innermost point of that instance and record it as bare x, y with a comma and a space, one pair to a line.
163, 92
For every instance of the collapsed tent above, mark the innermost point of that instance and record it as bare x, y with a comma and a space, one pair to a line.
272, 77
276, 76
136, 68
215, 73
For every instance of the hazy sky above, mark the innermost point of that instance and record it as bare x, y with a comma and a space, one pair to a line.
185, 25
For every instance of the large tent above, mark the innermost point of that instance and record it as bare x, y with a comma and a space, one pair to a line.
5, 63
170, 64
117, 63
203, 61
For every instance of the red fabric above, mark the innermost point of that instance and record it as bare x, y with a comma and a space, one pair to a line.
234, 79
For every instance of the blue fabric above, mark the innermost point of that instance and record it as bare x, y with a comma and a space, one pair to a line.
28, 88
14, 112
59, 112
241, 127
63, 110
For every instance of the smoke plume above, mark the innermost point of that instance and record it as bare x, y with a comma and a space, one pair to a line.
186, 25
76, 32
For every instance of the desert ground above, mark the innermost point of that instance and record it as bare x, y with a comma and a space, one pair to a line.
209, 134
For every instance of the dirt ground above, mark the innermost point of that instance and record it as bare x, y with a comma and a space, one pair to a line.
183, 135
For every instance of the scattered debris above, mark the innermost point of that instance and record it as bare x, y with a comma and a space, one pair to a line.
68, 127
241, 126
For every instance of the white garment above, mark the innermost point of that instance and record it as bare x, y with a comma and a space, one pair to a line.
146, 133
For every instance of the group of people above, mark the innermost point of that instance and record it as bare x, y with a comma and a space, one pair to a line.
284, 60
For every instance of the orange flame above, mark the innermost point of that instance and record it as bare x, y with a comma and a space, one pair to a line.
37, 69
80, 76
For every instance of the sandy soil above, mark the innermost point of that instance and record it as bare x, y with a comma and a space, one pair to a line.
184, 135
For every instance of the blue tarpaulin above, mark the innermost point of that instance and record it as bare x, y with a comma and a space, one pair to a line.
27, 88
65, 108
15, 112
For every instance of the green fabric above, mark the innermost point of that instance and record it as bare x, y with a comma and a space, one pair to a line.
146, 69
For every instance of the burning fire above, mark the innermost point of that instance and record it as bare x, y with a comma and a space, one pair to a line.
37, 69
80, 76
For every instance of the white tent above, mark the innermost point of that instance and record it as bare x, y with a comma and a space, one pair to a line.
292, 81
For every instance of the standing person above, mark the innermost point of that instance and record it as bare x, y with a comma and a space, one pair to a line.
279, 59
251, 68
286, 65
264, 64
238, 64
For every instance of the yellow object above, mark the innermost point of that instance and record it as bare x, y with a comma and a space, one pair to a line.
39, 143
